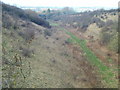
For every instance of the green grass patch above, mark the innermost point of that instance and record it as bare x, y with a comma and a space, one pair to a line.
70, 40
110, 60
54, 24
106, 72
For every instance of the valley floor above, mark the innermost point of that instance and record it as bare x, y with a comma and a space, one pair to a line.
57, 64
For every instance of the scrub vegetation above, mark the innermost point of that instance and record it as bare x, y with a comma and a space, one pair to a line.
59, 48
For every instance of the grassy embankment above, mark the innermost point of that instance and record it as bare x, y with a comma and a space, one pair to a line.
108, 75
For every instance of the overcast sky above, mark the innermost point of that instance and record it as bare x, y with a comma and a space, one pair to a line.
63, 3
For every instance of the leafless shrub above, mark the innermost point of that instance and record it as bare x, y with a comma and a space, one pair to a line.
27, 34
54, 42
5, 61
47, 32
21, 34
109, 22
67, 42
102, 17
57, 38
46, 37
100, 24
53, 60
12, 34
105, 38
26, 52
23, 25
20, 48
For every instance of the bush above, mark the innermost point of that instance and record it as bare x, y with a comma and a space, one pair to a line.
109, 35
7, 21
105, 38
47, 32
27, 34
109, 22
95, 20
30, 34
113, 45
20, 33
26, 52
100, 24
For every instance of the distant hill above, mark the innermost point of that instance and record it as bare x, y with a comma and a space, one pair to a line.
17, 13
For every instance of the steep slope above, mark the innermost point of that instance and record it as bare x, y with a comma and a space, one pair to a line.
18, 31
